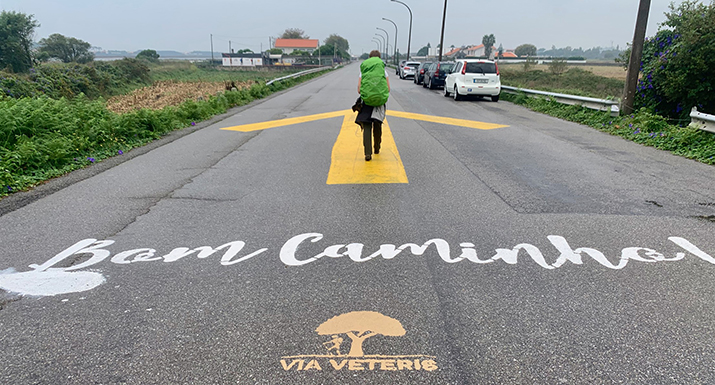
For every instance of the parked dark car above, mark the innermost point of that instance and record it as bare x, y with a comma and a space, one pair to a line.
420, 75
436, 73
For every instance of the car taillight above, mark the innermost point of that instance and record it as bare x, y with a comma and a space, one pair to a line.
497, 67
436, 72
422, 71
464, 69
407, 68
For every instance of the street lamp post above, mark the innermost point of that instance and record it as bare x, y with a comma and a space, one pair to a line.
386, 42
394, 55
383, 41
409, 36
379, 43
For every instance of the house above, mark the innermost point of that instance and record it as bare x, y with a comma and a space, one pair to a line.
478, 51
242, 59
453, 53
290, 45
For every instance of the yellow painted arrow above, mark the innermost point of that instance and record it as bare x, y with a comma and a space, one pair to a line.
348, 165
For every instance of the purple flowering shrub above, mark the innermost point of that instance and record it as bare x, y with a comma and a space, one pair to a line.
678, 65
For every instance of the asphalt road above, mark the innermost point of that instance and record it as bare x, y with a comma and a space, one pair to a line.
543, 252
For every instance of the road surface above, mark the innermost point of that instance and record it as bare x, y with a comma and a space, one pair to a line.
486, 244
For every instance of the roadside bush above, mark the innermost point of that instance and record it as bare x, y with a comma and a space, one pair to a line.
558, 66
58, 80
678, 66
42, 138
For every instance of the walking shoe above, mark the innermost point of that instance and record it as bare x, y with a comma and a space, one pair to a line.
377, 150
368, 157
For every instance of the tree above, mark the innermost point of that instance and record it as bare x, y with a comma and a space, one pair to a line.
339, 41
149, 55
558, 66
329, 50
529, 64
16, 32
525, 50
359, 326
245, 50
66, 49
294, 33
364, 56
424, 51
678, 65
501, 50
488, 41
275, 51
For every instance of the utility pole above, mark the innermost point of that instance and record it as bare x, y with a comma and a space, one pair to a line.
441, 39
212, 50
229, 47
634, 64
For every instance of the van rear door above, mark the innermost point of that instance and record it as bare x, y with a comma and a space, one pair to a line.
480, 74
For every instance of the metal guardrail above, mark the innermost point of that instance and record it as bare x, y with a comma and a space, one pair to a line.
702, 121
592, 103
297, 74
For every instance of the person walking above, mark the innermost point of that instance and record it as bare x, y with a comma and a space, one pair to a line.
374, 90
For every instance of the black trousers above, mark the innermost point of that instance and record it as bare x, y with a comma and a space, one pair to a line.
370, 130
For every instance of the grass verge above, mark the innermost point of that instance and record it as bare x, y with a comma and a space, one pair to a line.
43, 138
641, 127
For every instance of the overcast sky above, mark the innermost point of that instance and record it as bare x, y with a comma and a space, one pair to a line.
186, 25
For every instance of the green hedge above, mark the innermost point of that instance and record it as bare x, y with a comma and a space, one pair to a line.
41, 138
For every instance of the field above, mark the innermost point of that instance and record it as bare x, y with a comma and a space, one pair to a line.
593, 81
190, 72
612, 72
169, 93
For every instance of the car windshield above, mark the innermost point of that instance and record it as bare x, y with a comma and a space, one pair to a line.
478, 68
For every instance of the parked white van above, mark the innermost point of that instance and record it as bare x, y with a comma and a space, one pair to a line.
473, 77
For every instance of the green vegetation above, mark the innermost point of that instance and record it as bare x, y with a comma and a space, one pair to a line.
488, 41
642, 127
65, 49
57, 80
16, 31
294, 33
558, 66
678, 66
525, 50
190, 72
41, 137
148, 55
575, 81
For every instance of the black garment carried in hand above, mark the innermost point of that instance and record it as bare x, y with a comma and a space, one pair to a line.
358, 105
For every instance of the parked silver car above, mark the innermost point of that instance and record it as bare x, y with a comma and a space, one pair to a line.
409, 69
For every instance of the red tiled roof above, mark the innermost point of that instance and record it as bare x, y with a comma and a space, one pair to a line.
296, 43
508, 54
452, 52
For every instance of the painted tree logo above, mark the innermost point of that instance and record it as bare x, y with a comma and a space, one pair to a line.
359, 326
